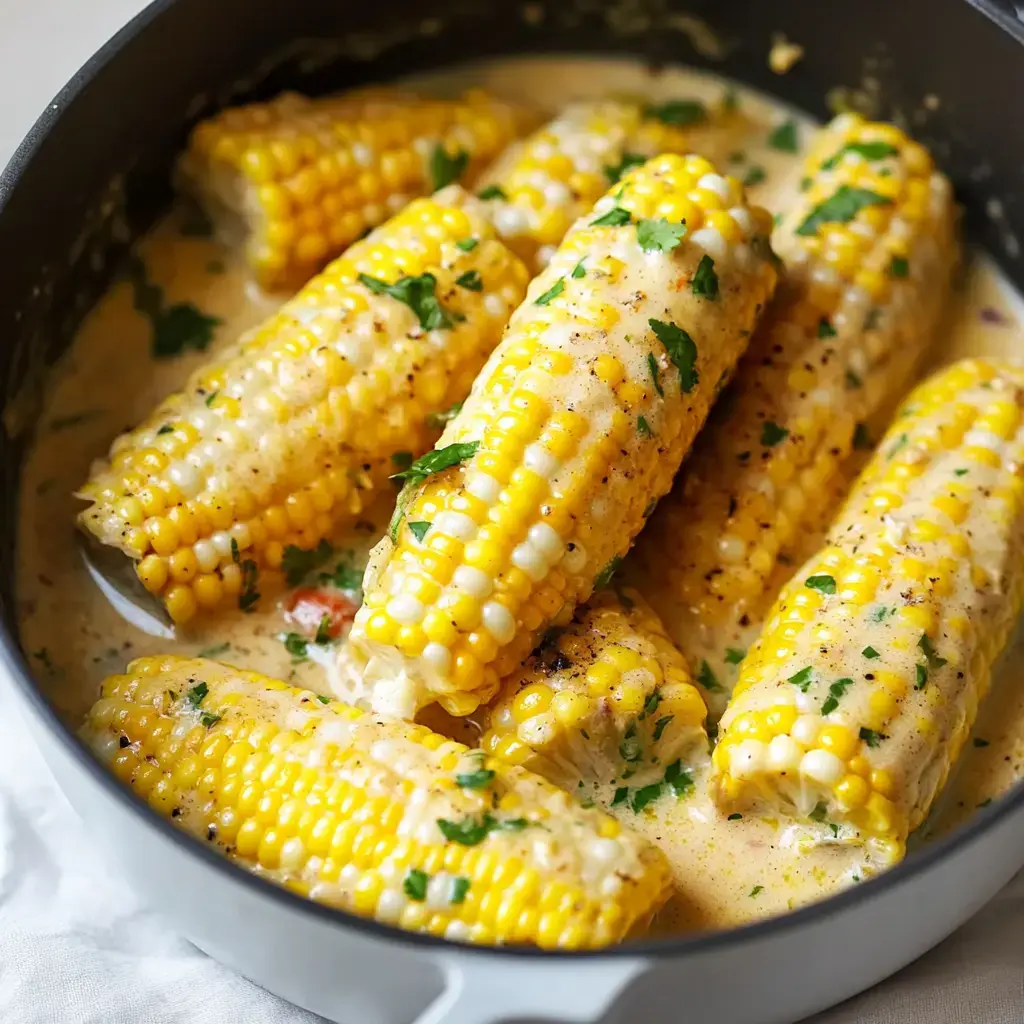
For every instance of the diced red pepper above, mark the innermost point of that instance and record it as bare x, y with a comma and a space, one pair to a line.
310, 607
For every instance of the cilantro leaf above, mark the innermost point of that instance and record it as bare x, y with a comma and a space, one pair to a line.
659, 235
471, 281
652, 365
707, 678
419, 529
552, 293
197, 694
298, 563
803, 678
415, 885
823, 583
628, 160
614, 218
840, 208
492, 192
705, 281
604, 577
446, 167
784, 138
677, 112
868, 150
418, 293
681, 350
772, 434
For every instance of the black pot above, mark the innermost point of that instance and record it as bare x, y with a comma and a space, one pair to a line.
93, 174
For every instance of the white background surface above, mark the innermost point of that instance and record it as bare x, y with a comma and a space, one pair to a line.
76, 947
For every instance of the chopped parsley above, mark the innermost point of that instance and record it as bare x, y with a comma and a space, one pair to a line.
660, 726
210, 398
629, 749
492, 192
678, 778
881, 613
928, 650
298, 563
899, 267
870, 653
960, 472
437, 420
921, 674
802, 679
323, 698
207, 719
479, 779
460, 886
467, 244
677, 112
249, 595
643, 428
419, 529
835, 693
757, 890
772, 434
604, 577
705, 280
840, 208
754, 176
401, 460
471, 830
825, 328
197, 694
471, 281
436, 461
165, 429
819, 812
296, 645
734, 655
175, 328
629, 160
707, 678
861, 438
446, 167
418, 293
553, 292
868, 150
823, 583
681, 350
415, 885
784, 138
644, 796
323, 631
651, 704
659, 235
345, 576
214, 652
621, 796
900, 443
652, 365
578, 271
614, 218
871, 737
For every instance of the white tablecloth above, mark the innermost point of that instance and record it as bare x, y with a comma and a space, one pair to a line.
77, 946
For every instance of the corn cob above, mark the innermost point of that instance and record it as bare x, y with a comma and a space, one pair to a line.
288, 433
573, 428
607, 695
859, 694
382, 818
541, 185
304, 178
859, 304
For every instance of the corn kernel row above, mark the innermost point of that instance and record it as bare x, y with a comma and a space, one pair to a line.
288, 434
381, 818
860, 302
304, 178
860, 692
579, 421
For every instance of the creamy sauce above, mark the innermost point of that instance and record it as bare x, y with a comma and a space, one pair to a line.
728, 871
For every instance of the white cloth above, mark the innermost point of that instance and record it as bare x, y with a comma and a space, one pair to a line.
77, 946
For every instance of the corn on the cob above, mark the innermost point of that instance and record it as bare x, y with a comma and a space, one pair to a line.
287, 433
861, 690
304, 178
574, 427
606, 695
861, 298
539, 187
383, 818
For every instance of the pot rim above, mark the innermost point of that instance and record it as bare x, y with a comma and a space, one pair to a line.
980, 825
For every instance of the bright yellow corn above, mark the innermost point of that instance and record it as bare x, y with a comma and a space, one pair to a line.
855, 701
289, 432
859, 304
303, 178
540, 186
606, 695
382, 818
573, 430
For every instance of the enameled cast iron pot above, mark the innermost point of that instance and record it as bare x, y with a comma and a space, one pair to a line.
94, 172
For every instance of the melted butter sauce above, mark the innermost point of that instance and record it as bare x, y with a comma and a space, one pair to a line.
727, 871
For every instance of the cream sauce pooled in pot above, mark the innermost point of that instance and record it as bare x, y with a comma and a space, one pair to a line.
728, 871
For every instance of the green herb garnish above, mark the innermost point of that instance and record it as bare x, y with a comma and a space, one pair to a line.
471, 281
840, 208
419, 529
772, 434
705, 280
823, 583
784, 138
415, 885
446, 167
681, 350
418, 293
298, 563
553, 292
659, 235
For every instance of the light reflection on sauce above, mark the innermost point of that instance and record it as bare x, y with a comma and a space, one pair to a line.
728, 871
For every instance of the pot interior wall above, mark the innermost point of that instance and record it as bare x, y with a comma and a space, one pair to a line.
94, 173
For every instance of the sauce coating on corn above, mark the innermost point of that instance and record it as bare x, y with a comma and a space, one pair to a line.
865, 682
542, 185
288, 434
307, 177
574, 428
605, 696
382, 818
859, 304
